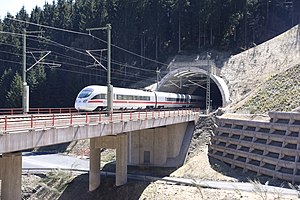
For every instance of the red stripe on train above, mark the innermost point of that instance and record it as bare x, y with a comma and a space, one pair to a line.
141, 102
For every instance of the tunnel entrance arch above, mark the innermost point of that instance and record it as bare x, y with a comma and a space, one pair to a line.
192, 80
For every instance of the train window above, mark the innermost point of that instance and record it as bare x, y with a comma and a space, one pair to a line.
85, 93
103, 96
96, 97
144, 98
130, 97
170, 99
100, 96
119, 97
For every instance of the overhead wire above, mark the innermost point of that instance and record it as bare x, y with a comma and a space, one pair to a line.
18, 34
115, 71
84, 73
128, 73
80, 51
67, 70
10, 61
6, 52
49, 41
86, 34
11, 45
104, 58
75, 65
127, 65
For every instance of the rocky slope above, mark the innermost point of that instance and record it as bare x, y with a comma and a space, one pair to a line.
279, 93
244, 72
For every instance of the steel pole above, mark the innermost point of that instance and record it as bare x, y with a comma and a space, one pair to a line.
208, 85
25, 94
24, 56
109, 86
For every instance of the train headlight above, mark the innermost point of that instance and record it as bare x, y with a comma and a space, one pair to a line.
84, 101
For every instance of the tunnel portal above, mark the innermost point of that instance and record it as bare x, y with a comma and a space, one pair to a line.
193, 80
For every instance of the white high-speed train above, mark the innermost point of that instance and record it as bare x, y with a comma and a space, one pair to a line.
94, 97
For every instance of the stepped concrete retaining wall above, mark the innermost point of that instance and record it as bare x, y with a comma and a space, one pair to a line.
270, 148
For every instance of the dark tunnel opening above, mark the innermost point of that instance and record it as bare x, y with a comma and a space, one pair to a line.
215, 95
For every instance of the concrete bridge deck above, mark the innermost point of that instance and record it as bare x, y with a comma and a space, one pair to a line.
30, 131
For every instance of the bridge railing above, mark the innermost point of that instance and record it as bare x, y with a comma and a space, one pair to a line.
11, 123
18, 111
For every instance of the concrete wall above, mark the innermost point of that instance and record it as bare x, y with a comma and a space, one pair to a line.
269, 148
175, 137
134, 147
162, 143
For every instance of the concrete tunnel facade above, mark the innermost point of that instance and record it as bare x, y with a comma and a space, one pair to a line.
193, 80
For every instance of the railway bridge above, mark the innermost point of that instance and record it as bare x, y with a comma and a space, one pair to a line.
152, 138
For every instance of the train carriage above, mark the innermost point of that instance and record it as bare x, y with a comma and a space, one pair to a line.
94, 97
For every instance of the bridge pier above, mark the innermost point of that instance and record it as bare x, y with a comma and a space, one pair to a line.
94, 175
118, 142
11, 176
121, 159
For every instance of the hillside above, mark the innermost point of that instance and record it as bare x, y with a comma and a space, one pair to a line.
246, 71
279, 93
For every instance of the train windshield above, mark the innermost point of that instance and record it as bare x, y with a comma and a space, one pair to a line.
85, 93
